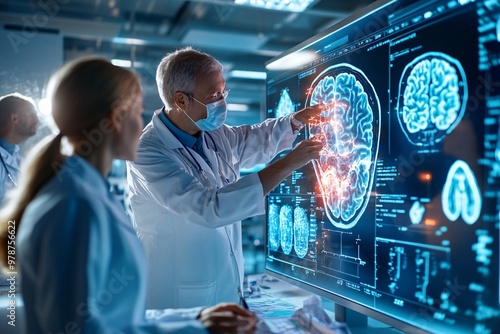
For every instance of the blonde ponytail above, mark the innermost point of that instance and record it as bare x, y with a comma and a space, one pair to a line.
40, 166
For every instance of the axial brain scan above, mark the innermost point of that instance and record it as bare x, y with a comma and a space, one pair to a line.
274, 226
300, 231
432, 99
286, 228
349, 129
461, 195
289, 228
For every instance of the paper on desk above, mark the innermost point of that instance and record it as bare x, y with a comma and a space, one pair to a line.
313, 319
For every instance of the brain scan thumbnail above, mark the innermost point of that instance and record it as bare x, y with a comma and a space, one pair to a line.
461, 195
416, 212
285, 105
274, 227
350, 130
432, 98
286, 228
300, 231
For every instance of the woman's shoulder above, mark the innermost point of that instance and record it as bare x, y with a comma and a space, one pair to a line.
75, 186
76, 179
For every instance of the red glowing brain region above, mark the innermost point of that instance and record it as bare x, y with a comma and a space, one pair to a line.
432, 98
350, 130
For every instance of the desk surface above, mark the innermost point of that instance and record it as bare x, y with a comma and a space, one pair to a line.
283, 293
282, 296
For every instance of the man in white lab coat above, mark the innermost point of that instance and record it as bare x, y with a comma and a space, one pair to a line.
18, 122
186, 193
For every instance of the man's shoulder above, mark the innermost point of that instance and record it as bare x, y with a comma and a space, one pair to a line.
150, 137
152, 148
148, 131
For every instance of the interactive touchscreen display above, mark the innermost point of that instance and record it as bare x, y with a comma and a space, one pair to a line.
399, 217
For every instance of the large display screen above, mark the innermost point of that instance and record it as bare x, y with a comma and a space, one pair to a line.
399, 217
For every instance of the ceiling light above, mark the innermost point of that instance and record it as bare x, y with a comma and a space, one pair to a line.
127, 63
293, 60
44, 106
237, 107
248, 75
128, 41
284, 5
121, 62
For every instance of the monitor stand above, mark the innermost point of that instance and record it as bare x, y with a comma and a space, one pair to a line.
350, 317
359, 323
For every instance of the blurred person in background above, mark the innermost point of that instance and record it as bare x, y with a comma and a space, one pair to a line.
18, 122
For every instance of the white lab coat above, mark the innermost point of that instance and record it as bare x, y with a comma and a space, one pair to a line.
191, 226
82, 265
12, 162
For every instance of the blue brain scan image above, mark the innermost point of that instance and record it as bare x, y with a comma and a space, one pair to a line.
285, 105
432, 98
274, 227
461, 195
286, 228
350, 130
416, 212
300, 231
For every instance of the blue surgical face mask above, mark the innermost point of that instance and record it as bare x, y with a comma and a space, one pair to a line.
216, 115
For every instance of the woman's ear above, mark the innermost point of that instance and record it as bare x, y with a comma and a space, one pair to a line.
116, 117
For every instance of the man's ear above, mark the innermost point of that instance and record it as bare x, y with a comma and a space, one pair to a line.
14, 118
181, 100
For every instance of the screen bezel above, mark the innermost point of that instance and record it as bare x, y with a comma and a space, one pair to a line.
352, 305
359, 14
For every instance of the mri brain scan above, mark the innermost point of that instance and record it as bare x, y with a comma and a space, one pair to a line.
274, 227
461, 195
286, 228
285, 105
349, 128
300, 231
416, 212
432, 98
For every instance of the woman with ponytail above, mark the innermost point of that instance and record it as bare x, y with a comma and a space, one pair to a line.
81, 263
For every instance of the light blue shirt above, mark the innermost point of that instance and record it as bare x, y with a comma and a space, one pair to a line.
196, 143
9, 168
185, 138
81, 263
7, 146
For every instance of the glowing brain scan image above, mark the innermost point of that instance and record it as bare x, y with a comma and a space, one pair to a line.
432, 98
300, 231
416, 212
274, 226
286, 228
461, 195
285, 105
350, 130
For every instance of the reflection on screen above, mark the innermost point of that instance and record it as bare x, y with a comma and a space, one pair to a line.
399, 217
